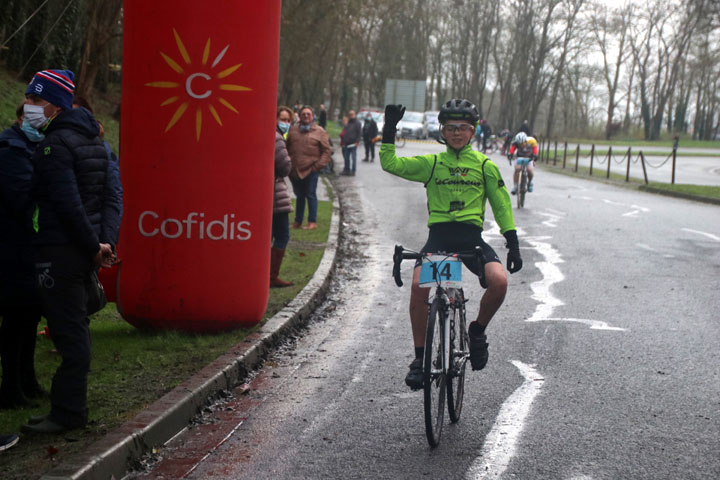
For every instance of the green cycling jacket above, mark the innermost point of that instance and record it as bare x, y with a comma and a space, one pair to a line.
457, 184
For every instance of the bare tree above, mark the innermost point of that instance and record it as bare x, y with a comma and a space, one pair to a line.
610, 30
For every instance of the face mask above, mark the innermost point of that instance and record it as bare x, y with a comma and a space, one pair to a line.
32, 134
284, 126
305, 128
35, 115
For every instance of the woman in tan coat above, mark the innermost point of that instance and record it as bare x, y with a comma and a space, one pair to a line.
282, 205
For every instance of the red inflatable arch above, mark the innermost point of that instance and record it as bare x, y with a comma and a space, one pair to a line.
199, 92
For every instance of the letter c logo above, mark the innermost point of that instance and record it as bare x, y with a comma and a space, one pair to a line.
188, 86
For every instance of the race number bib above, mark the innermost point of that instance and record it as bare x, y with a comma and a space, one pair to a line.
442, 270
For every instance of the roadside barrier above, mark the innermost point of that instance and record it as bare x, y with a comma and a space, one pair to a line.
549, 152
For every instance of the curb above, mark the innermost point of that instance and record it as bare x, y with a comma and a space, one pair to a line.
112, 456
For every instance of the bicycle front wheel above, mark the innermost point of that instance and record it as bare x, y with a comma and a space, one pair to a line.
523, 188
434, 374
459, 352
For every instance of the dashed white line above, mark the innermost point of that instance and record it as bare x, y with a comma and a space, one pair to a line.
651, 249
501, 443
709, 235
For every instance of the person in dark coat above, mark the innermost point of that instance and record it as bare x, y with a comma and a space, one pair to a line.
486, 132
322, 116
113, 171
282, 203
369, 132
18, 285
73, 220
351, 139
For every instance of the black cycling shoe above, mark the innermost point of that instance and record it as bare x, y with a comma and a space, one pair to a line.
478, 351
414, 378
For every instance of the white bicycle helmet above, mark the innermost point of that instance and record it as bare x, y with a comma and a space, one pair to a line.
520, 138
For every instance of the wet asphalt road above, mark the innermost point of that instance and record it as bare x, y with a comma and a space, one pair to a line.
603, 364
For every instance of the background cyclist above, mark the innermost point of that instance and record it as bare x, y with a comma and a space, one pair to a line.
527, 150
457, 182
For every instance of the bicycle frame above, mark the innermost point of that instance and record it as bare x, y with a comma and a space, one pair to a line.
446, 338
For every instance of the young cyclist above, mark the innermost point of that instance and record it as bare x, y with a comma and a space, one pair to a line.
457, 181
527, 150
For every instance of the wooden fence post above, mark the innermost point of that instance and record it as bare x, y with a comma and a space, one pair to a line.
577, 157
629, 157
642, 161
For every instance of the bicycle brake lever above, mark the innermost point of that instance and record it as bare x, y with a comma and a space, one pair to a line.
397, 259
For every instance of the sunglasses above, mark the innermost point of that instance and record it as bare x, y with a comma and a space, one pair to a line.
458, 127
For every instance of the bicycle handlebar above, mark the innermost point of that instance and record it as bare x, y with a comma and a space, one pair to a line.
401, 254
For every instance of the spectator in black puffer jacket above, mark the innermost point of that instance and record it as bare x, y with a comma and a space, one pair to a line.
18, 284
74, 222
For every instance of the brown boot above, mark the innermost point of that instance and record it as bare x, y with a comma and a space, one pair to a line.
276, 258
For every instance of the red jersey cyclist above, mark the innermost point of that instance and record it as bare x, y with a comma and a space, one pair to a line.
527, 151
457, 182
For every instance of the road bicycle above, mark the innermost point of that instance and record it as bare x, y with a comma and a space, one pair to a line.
447, 345
523, 187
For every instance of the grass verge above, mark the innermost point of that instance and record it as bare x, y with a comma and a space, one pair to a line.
132, 368
699, 192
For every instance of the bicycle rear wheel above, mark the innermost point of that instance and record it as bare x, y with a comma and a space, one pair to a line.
433, 374
523, 187
459, 351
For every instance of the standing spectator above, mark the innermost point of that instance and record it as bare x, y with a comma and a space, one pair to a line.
525, 128
322, 116
369, 132
113, 170
486, 132
351, 138
18, 284
74, 201
282, 206
309, 147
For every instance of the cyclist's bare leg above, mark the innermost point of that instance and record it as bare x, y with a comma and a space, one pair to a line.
516, 174
531, 171
495, 294
418, 309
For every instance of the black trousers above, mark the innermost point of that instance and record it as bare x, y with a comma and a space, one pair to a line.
18, 333
62, 275
369, 149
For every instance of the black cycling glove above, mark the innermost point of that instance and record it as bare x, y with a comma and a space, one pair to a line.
393, 114
514, 261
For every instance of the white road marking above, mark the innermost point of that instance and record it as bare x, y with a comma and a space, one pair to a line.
709, 235
632, 213
650, 249
501, 443
593, 324
646, 247
541, 289
552, 219
637, 210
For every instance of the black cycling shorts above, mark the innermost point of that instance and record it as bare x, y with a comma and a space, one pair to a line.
458, 237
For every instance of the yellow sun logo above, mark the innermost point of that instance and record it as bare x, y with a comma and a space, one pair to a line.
200, 83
